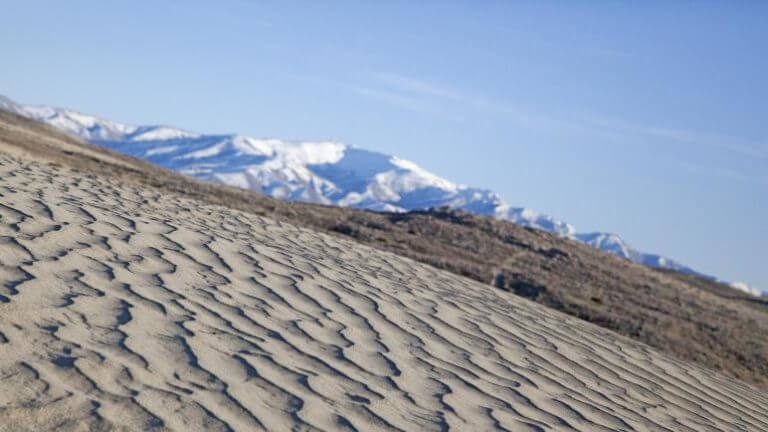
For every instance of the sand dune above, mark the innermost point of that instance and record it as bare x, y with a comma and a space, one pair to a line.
126, 308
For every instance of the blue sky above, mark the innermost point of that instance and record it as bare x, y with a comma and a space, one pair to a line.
647, 119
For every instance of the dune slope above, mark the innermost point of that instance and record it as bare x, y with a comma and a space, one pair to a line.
689, 318
123, 307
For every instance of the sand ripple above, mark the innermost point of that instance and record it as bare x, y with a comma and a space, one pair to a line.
123, 308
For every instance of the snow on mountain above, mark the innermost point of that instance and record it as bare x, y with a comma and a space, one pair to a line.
616, 245
523, 216
741, 286
313, 171
9, 105
610, 243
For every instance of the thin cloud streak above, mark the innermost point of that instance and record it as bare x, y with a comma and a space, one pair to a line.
414, 93
413, 85
724, 173
729, 144
733, 145
392, 98
424, 93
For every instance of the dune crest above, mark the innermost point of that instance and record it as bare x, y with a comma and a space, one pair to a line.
125, 308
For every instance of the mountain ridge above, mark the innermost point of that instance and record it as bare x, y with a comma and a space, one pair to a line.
324, 172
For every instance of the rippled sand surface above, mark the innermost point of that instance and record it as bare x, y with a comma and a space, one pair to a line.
128, 309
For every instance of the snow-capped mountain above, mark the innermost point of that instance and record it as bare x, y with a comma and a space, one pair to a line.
315, 171
616, 245
741, 286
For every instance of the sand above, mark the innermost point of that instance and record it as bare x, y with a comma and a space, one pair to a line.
123, 308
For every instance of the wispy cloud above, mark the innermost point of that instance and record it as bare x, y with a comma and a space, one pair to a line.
397, 99
666, 135
410, 92
730, 144
416, 86
725, 173
428, 96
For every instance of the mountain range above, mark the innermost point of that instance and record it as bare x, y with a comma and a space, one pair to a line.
324, 172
